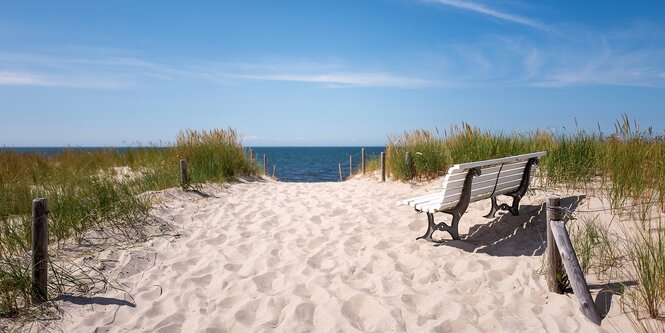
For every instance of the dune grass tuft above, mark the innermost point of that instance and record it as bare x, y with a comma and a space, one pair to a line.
96, 190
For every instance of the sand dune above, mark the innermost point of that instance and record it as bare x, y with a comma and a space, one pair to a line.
342, 257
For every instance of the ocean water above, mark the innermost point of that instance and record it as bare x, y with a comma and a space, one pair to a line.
312, 164
292, 164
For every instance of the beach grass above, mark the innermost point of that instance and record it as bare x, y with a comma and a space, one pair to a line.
626, 167
97, 190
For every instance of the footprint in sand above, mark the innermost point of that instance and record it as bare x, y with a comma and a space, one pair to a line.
199, 281
275, 308
366, 314
172, 323
304, 312
247, 315
218, 240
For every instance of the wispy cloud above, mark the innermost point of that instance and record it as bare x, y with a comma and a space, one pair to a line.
344, 79
122, 72
39, 80
494, 13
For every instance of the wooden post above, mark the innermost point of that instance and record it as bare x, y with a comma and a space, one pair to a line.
39, 250
350, 165
554, 265
274, 168
341, 178
362, 160
184, 177
265, 164
575, 275
251, 154
409, 165
383, 166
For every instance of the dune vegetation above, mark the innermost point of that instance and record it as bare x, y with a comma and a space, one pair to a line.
97, 190
625, 167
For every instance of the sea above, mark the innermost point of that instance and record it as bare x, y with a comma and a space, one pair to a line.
291, 164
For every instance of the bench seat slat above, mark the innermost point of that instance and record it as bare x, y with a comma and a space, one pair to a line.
422, 198
480, 182
507, 168
505, 160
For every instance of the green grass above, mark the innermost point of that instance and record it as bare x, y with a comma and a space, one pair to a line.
85, 193
626, 167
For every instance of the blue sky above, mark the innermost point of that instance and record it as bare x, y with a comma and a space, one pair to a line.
90, 73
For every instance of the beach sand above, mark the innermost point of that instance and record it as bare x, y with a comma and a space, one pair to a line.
328, 257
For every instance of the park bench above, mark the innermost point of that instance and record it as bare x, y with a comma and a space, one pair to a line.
474, 181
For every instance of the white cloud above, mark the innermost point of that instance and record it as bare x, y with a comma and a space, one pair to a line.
343, 79
121, 72
39, 80
20, 79
484, 10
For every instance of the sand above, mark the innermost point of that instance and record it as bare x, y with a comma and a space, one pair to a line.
267, 256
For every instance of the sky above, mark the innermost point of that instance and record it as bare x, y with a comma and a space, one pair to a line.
323, 73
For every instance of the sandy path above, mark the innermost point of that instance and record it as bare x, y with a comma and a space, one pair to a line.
295, 257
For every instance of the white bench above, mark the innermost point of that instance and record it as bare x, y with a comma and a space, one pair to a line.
469, 182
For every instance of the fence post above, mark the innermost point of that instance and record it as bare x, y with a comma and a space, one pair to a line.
251, 154
265, 164
362, 160
383, 166
39, 250
350, 165
575, 275
184, 178
341, 178
409, 165
554, 265
274, 168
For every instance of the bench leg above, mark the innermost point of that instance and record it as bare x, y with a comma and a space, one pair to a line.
456, 212
441, 226
515, 208
493, 209
496, 207
431, 226
517, 195
452, 228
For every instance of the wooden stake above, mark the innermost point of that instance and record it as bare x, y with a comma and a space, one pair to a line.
184, 178
265, 164
39, 250
554, 266
251, 154
383, 166
575, 275
350, 165
274, 168
341, 178
409, 165
362, 160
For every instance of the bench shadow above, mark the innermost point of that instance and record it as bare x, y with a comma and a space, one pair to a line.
507, 235
84, 300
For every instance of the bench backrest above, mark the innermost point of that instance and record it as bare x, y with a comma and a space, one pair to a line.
499, 176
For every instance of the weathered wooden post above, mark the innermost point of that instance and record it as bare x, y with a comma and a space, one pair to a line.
383, 166
575, 275
39, 250
350, 165
251, 154
409, 165
341, 178
554, 265
362, 160
265, 164
184, 177
274, 168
